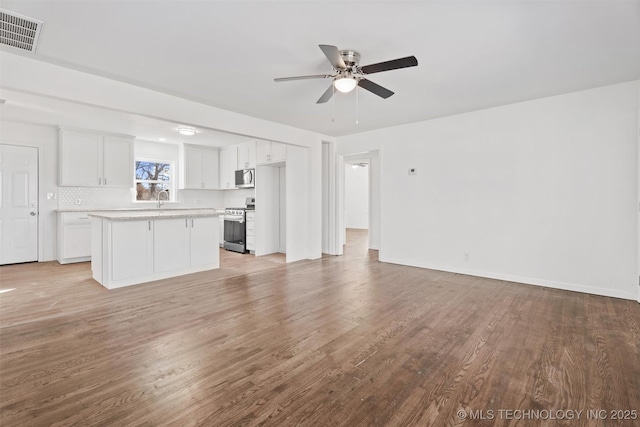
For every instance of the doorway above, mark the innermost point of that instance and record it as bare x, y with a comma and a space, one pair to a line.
359, 200
356, 191
19, 204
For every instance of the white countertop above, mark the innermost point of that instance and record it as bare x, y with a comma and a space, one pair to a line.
135, 214
148, 209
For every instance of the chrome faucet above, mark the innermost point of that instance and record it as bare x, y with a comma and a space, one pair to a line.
160, 201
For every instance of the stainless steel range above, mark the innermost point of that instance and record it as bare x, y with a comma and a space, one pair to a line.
235, 231
235, 227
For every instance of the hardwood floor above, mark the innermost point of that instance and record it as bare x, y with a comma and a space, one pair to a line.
340, 341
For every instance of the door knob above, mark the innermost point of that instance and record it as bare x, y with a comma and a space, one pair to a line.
32, 213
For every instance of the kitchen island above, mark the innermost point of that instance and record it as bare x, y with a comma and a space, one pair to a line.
138, 246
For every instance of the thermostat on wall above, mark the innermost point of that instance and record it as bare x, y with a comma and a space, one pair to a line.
413, 171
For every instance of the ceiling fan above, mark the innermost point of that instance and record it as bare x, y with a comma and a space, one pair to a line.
348, 73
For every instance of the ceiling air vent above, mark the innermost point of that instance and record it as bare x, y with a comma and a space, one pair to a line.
19, 31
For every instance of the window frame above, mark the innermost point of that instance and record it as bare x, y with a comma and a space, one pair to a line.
171, 183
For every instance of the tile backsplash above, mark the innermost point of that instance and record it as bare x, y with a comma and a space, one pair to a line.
92, 198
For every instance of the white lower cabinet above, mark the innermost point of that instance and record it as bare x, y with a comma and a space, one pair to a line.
251, 231
129, 252
74, 237
221, 236
203, 248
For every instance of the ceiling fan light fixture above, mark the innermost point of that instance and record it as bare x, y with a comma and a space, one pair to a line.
345, 84
187, 131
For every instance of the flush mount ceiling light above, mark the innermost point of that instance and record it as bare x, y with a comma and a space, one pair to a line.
187, 131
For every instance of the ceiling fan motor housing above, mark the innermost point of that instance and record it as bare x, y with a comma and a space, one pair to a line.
351, 58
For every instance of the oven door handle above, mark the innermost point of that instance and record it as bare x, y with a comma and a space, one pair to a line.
234, 220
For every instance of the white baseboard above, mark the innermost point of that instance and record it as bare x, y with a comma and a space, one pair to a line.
615, 293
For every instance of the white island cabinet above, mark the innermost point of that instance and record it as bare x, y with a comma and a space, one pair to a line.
128, 248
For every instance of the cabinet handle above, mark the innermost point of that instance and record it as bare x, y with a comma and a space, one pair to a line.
99, 181
149, 225
191, 222
186, 223
105, 181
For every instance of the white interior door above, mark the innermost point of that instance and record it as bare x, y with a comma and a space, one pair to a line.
18, 204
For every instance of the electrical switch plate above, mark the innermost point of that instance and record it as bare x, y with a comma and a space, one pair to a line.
78, 201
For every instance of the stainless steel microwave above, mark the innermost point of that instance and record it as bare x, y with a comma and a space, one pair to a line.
246, 178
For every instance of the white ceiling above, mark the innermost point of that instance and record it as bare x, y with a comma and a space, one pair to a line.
471, 54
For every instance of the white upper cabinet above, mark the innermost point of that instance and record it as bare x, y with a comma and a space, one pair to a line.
247, 155
118, 161
200, 168
270, 152
263, 151
211, 169
80, 159
228, 164
278, 152
90, 159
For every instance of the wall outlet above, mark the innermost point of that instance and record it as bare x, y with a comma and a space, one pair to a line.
413, 171
467, 257
78, 201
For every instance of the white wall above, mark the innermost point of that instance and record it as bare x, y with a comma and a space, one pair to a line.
297, 236
283, 209
356, 191
267, 227
638, 201
542, 192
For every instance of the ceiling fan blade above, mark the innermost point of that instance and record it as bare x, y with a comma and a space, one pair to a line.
315, 76
326, 95
333, 55
374, 88
394, 64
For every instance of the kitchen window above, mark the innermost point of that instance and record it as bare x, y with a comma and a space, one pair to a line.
153, 176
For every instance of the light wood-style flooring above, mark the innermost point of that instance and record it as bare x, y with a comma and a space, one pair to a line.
340, 341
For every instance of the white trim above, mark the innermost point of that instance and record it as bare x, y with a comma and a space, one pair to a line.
173, 197
519, 279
